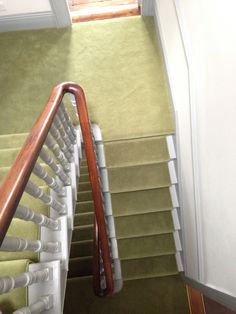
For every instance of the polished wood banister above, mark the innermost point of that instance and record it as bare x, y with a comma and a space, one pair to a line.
14, 184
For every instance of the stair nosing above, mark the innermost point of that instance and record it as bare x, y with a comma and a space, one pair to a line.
147, 256
80, 258
84, 214
142, 189
144, 235
82, 241
143, 213
140, 164
151, 276
137, 165
140, 137
84, 226
84, 202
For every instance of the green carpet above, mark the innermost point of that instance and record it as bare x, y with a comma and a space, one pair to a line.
17, 298
119, 65
145, 242
116, 61
137, 297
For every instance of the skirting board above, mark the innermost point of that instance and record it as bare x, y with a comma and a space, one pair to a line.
27, 21
220, 297
147, 8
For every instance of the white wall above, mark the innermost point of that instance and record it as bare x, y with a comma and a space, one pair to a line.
199, 41
24, 6
33, 14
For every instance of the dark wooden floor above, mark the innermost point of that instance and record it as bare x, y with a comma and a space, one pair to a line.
88, 10
200, 304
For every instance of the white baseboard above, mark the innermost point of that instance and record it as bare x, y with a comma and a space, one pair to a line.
27, 21
147, 7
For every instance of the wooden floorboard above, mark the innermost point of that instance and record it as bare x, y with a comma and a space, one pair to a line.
196, 302
105, 15
89, 10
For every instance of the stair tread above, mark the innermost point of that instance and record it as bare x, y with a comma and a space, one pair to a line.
141, 177
152, 245
136, 151
12, 140
35, 179
80, 266
143, 224
26, 230
149, 266
141, 201
17, 298
84, 206
138, 296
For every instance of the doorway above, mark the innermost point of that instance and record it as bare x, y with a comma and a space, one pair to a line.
88, 10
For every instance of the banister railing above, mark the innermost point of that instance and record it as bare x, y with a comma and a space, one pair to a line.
51, 125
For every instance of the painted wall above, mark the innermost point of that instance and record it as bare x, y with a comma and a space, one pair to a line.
23, 6
199, 43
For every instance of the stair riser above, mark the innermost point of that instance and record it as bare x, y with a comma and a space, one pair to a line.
132, 247
84, 186
85, 196
140, 151
83, 170
81, 249
148, 224
80, 267
149, 267
82, 234
80, 220
84, 178
129, 203
143, 177
84, 207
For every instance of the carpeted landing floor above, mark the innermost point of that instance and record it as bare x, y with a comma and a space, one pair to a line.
118, 63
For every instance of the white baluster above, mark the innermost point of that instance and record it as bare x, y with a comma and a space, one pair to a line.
69, 123
28, 214
42, 304
36, 192
56, 135
63, 133
56, 168
51, 182
8, 283
57, 152
66, 126
14, 244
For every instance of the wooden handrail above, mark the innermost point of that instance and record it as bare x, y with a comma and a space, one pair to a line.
14, 184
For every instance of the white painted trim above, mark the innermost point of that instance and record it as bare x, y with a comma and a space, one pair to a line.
61, 13
51, 287
193, 200
60, 236
171, 146
172, 172
194, 137
177, 241
179, 262
118, 282
175, 219
147, 7
174, 197
27, 21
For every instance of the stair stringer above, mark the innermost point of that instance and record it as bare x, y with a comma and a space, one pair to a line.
118, 280
176, 214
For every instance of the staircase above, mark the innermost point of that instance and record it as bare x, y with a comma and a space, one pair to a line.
140, 182
140, 186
